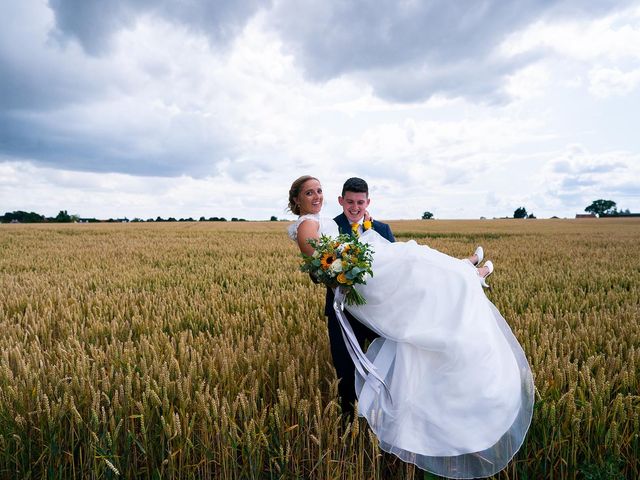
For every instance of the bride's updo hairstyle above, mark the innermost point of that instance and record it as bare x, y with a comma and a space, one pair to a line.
294, 191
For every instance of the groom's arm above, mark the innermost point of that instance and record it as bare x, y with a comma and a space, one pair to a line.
390, 237
384, 230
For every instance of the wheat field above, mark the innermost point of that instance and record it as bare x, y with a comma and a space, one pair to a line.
197, 350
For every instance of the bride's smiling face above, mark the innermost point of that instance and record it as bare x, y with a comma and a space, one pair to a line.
310, 197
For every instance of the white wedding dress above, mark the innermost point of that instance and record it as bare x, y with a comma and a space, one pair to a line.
458, 392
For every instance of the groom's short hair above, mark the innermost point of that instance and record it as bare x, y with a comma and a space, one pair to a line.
355, 184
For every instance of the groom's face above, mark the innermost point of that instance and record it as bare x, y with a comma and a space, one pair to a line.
354, 205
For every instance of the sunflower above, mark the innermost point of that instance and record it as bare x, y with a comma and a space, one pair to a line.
326, 260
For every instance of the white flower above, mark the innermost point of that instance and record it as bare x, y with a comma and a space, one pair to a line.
336, 266
316, 254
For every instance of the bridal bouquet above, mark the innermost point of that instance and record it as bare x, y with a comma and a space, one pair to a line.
340, 262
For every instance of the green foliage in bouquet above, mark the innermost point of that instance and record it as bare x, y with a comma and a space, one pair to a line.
340, 262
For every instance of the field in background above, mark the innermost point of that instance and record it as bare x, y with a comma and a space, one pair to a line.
196, 350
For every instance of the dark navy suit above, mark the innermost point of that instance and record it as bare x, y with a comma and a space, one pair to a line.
345, 369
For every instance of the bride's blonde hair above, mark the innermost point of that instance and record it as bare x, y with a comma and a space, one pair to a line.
294, 191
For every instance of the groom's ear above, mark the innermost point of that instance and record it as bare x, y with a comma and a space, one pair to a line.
340, 200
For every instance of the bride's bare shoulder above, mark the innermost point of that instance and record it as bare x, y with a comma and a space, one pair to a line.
308, 226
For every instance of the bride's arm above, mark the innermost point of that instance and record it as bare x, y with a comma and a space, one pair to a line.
307, 230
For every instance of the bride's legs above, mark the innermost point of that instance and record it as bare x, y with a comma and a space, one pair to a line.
477, 257
483, 271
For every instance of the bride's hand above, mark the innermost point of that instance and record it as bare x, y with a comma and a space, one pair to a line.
367, 216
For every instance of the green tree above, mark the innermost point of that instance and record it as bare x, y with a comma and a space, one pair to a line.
602, 207
520, 212
427, 216
63, 217
274, 218
22, 217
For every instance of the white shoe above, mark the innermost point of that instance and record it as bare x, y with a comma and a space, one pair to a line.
489, 265
479, 253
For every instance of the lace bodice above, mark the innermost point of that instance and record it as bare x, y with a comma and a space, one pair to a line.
326, 226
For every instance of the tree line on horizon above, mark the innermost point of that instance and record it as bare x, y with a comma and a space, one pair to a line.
63, 216
599, 208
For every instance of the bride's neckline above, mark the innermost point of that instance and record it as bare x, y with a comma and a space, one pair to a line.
307, 215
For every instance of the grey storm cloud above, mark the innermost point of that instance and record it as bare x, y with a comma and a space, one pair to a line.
52, 97
179, 150
92, 22
411, 50
406, 50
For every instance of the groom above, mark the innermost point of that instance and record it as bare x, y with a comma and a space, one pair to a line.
354, 201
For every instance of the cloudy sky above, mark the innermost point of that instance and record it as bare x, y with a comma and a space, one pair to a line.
142, 108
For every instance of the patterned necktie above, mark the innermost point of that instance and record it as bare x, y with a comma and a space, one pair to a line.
354, 229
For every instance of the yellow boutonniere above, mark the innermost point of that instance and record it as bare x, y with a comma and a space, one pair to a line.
367, 224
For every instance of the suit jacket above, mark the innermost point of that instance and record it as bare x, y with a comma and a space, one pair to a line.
345, 227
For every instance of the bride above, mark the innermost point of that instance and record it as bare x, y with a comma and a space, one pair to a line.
450, 389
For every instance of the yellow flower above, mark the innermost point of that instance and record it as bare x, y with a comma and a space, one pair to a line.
342, 278
326, 260
367, 224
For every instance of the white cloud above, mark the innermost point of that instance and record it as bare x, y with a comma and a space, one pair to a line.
529, 82
580, 176
24, 186
607, 82
613, 38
